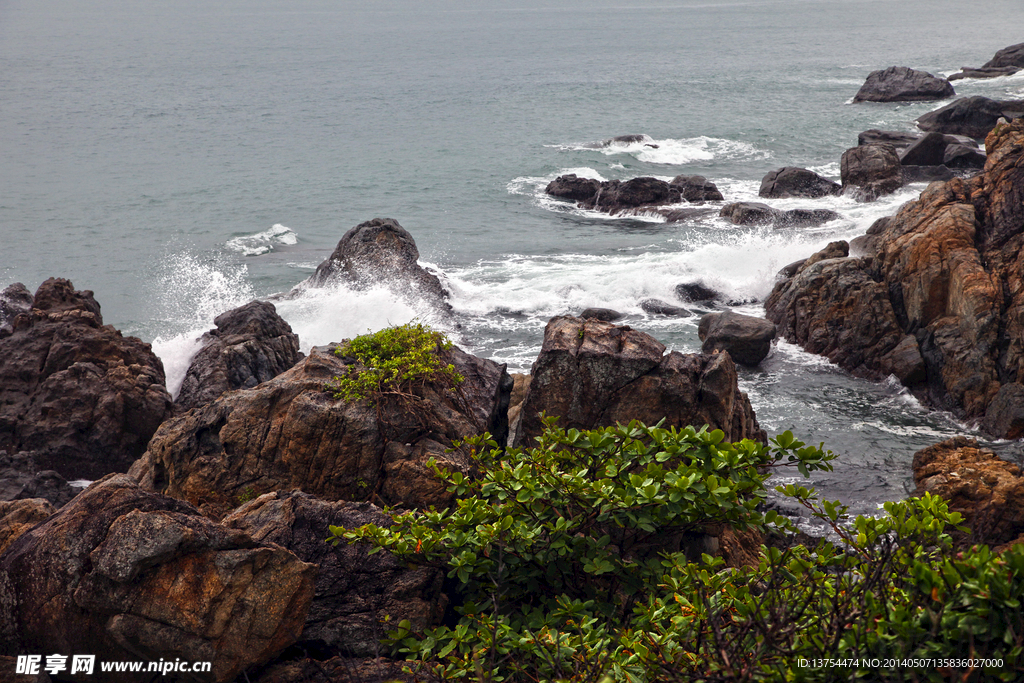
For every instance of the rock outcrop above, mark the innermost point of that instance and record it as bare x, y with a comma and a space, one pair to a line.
126, 574
82, 398
1006, 62
902, 84
987, 491
591, 373
870, 171
970, 116
634, 196
355, 592
939, 303
289, 433
249, 345
747, 339
791, 181
379, 252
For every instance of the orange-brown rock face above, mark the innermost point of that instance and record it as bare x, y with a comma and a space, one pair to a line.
945, 283
987, 491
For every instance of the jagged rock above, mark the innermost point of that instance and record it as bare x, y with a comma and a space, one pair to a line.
81, 397
902, 84
747, 339
869, 171
987, 491
971, 116
250, 344
355, 592
21, 478
797, 182
946, 275
379, 252
591, 373
18, 516
696, 292
606, 314
14, 299
659, 307
696, 188
896, 138
289, 433
126, 574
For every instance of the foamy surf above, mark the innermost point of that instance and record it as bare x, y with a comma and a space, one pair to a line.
673, 151
262, 242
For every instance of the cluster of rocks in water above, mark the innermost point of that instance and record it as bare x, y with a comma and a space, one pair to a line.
211, 546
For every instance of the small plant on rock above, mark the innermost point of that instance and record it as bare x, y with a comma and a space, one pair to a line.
391, 362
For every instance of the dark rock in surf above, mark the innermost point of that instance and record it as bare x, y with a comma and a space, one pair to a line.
983, 72
659, 307
696, 188
971, 116
748, 213
591, 373
870, 171
605, 314
926, 151
897, 139
697, 292
380, 252
353, 589
804, 218
797, 182
1007, 57
249, 345
22, 479
626, 139
902, 84
82, 398
747, 339
573, 188
926, 174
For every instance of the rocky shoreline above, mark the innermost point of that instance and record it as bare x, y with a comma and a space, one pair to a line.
202, 534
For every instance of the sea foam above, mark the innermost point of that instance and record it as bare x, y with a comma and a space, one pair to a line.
262, 242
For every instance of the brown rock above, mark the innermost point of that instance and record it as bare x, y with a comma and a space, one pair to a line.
83, 398
289, 433
987, 491
355, 592
126, 574
591, 373
18, 516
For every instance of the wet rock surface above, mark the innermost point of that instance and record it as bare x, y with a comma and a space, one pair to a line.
747, 339
902, 84
250, 344
81, 397
591, 373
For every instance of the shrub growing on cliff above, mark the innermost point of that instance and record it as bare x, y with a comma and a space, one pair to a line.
570, 562
390, 362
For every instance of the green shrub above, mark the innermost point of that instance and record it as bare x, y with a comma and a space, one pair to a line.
392, 361
568, 561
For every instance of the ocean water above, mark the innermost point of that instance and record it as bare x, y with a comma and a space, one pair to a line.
181, 158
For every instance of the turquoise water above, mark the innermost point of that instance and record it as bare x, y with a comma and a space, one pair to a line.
180, 158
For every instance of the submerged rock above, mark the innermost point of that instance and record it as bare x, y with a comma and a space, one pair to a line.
126, 574
249, 345
902, 84
82, 398
591, 373
290, 433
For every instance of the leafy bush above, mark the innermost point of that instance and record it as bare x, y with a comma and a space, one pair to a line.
390, 362
578, 560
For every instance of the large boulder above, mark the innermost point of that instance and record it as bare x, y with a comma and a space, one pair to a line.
791, 181
635, 196
943, 288
290, 433
358, 596
126, 574
870, 171
84, 399
928, 150
971, 116
902, 84
591, 373
1007, 57
573, 188
696, 188
987, 491
250, 344
379, 252
747, 339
